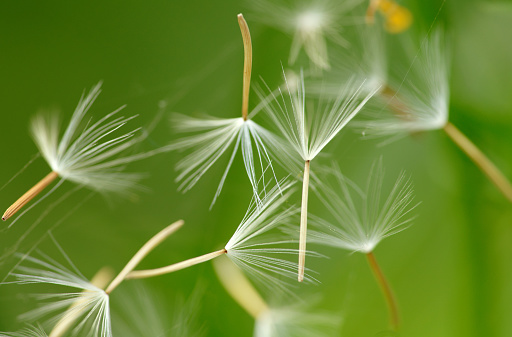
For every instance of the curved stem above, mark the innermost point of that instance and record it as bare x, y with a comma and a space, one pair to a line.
145, 250
480, 159
303, 222
386, 290
246, 35
29, 195
137, 274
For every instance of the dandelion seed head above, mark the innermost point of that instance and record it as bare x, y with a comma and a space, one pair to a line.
87, 155
311, 23
421, 101
256, 250
86, 302
212, 137
362, 219
308, 128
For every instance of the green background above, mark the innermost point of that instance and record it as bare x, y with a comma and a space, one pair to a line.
450, 271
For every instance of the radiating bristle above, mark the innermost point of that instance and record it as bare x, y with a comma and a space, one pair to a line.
88, 304
259, 147
362, 221
418, 102
311, 23
30, 331
88, 153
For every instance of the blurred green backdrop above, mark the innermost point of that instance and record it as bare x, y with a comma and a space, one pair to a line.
451, 271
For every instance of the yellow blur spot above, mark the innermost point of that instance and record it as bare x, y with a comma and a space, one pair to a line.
397, 18
398, 21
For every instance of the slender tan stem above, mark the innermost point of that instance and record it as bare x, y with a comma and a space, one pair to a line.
145, 250
479, 158
100, 280
136, 274
387, 291
239, 287
370, 12
29, 195
246, 35
303, 222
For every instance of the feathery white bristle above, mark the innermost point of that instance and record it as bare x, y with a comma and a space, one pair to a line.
359, 225
88, 302
30, 331
309, 130
423, 96
252, 248
311, 24
87, 155
259, 147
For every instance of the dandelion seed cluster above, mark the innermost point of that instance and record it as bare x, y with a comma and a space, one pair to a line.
350, 68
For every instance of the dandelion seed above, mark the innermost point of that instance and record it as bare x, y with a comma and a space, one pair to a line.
250, 247
421, 103
99, 280
309, 132
361, 226
311, 23
363, 222
85, 156
272, 320
216, 136
90, 305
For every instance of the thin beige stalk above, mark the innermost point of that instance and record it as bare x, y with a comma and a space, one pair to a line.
370, 12
137, 274
480, 159
145, 250
303, 222
246, 35
100, 280
29, 195
386, 290
239, 287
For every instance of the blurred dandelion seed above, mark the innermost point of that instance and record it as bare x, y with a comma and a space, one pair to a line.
362, 230
309, 132
270, 320
422, 104
311, 23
